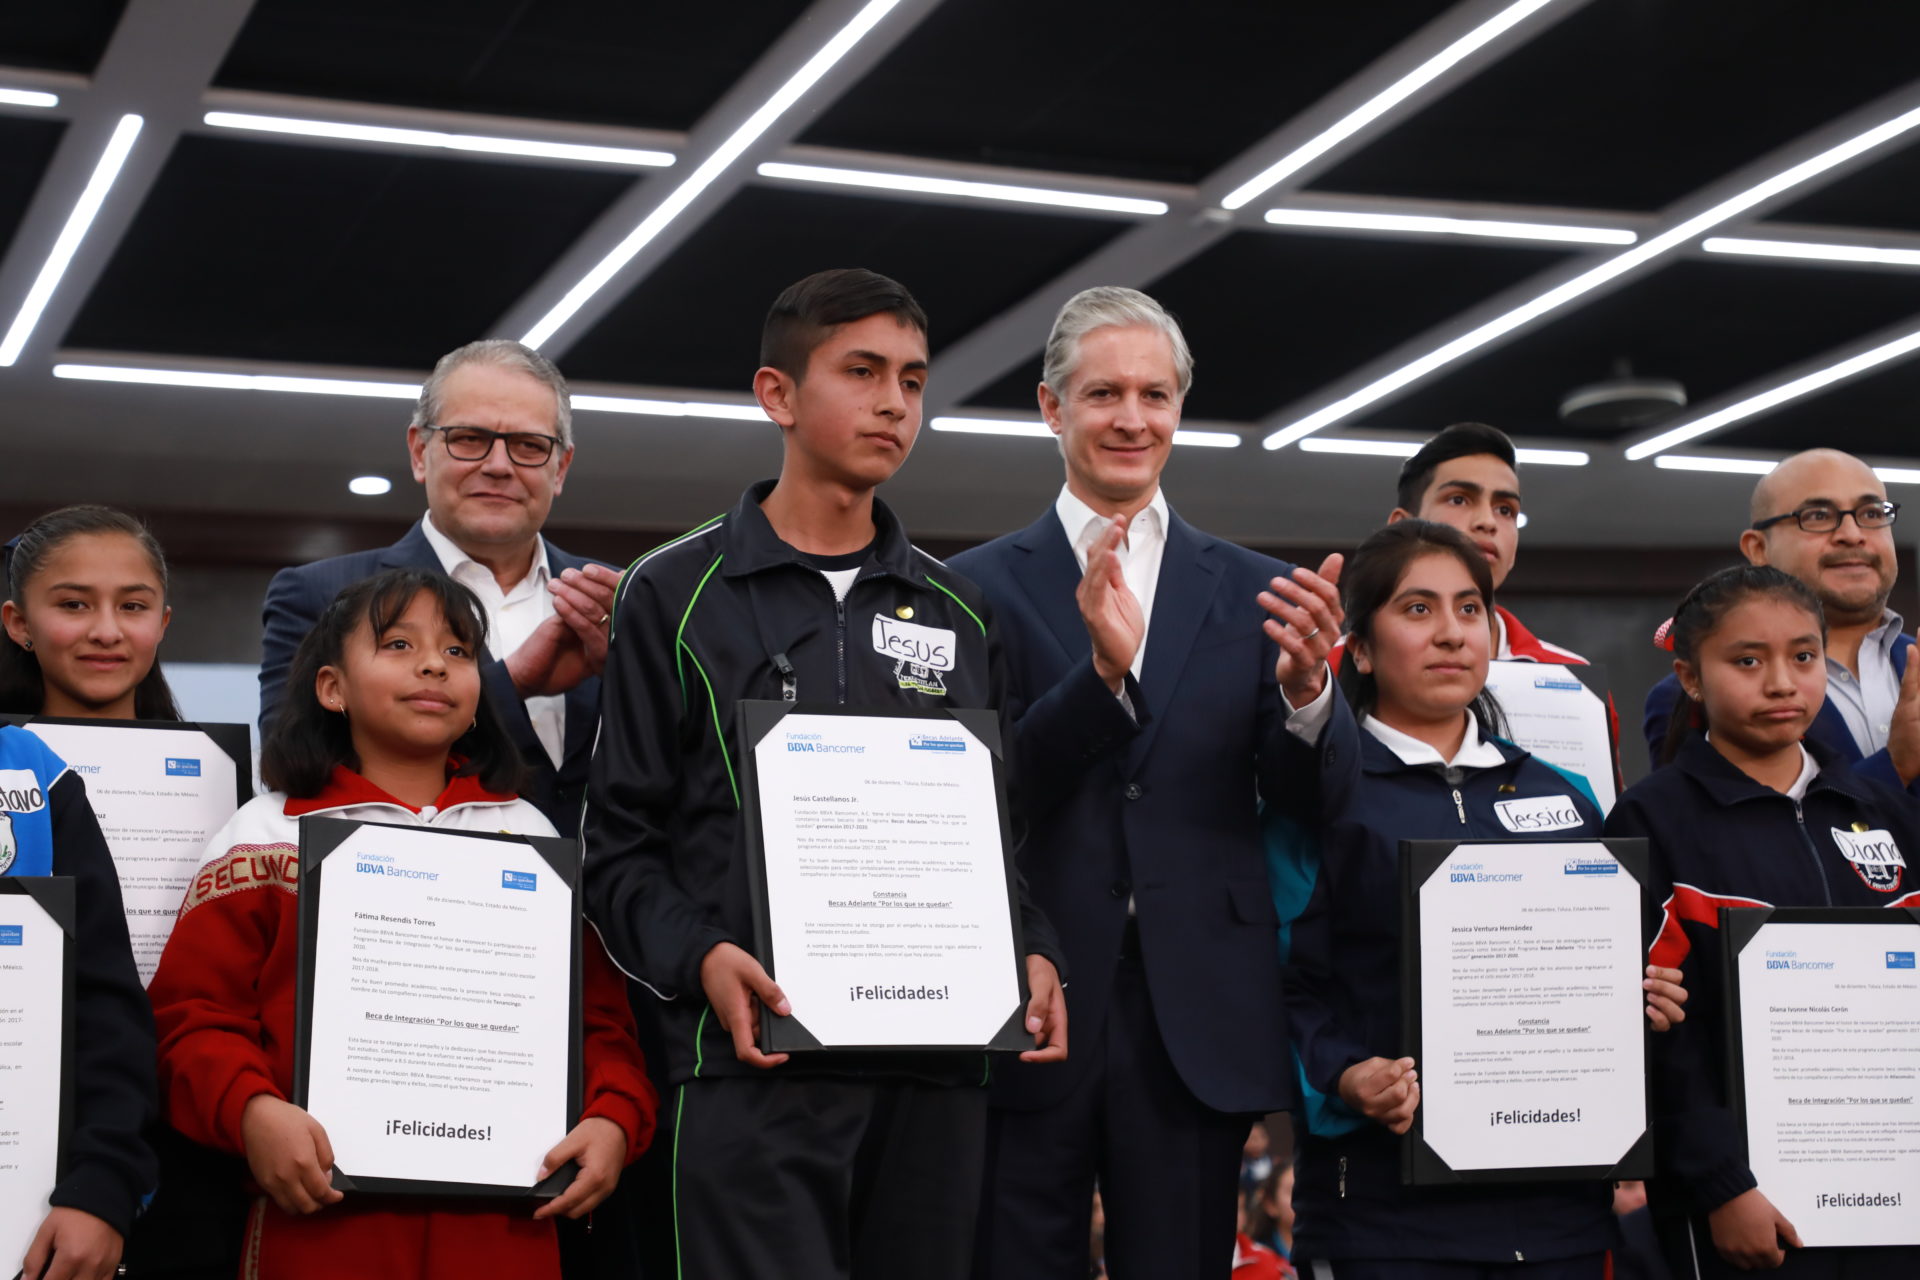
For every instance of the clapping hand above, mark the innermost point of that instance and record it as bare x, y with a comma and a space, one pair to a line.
1305, 622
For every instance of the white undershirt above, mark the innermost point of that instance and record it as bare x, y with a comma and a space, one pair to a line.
512, 616
841, 580
1140, 554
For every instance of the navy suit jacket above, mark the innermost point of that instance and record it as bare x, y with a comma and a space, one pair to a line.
299, 595
1162, 807
1829, 727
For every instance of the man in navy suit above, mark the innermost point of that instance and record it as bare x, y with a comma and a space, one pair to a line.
1823, 516
491, 441
1149, 721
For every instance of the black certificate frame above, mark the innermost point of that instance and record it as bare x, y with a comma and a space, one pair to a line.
1420, 1164
1739, 926
236, 740
56, 896
320, 837
757, 719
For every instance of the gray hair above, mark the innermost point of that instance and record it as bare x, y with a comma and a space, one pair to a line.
502, 353
1102, 307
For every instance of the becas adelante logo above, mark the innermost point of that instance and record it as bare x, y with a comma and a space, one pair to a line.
1589, 866
1899, 959
927, 742
526, 880
13, 935
181, 767
1558, 682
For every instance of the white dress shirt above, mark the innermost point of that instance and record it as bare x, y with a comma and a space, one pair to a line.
512, 616
1867, 703
1140, 554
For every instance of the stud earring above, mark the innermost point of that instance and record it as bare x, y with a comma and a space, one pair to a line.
28, 646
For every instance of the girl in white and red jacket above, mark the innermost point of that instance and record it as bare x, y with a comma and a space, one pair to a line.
390, 725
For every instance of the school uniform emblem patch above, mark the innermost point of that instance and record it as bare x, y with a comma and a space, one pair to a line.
920, 654
1874, 855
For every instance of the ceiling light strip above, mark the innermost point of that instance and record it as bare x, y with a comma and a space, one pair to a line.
964, 189
710, 169
1194, 436
112, 159
1611, 269
1384, 101
341, 131
217, 381
669, 408
1728, 466
28, 98
1491, 228
1407, 448
1812, 252
1777, 395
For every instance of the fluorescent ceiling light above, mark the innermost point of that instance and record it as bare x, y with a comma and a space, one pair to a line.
1488, 227
1552, 457
369, 486
85, 209
1007, 427
1407, 448
1521, 521
1897, 475
955, 187
431, 138
710, 169
1812, 252
1589, 280
1777, 395
28, 98
1731, 466
238, 381
669, 408
1378, 105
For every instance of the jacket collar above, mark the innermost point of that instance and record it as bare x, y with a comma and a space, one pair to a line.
750, 544
1723, 781
347, 789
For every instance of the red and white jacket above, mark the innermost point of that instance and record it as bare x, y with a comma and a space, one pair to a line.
224, 997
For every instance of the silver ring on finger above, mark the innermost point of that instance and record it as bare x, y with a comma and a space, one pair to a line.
1311, 634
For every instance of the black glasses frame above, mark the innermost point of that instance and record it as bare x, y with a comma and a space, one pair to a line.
546, 442
1890, 509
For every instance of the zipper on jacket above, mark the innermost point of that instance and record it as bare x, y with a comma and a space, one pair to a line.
1806, 838
840, 646
1343, 1177
1460, 806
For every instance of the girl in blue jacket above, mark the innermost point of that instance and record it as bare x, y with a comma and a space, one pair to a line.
1416, 755
1750, 815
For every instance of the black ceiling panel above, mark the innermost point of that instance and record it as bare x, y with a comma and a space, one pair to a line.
26, 148
1715, 325
1017, 390
1878, 414
66, 35
267, 251
1131, 88
1631, 104
695, 321
651, 65
1271, 317
1879, 195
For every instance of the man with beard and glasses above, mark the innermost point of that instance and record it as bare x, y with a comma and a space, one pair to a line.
1823, 516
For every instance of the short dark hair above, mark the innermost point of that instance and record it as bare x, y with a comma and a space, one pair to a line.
807, 312
1699, 615
23, 689
1461, 440
307, 740
1366, 585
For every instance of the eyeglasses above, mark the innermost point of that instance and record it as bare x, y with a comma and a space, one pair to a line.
1819, 517
473, 444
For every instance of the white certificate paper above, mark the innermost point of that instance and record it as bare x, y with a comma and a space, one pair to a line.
1552, 714
159, 796
442, 997
31, 997
1532, 1038
886, 880
1830, 1046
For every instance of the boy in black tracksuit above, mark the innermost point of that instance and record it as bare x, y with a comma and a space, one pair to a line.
836, 1164
1719, 837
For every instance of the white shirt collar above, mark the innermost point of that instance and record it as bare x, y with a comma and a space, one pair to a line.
453, 559
1076, 515
1809, 770
1475, 752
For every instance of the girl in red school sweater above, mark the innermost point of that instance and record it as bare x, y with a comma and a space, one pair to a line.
389, 725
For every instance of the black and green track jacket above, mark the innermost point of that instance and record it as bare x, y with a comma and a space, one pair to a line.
697, 627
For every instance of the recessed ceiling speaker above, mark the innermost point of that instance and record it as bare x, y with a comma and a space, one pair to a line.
1623, 401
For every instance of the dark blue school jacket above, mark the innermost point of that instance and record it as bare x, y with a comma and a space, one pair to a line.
1343, 1001
1719, 839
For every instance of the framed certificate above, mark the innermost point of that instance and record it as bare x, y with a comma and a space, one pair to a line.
1559, 713
36, 1050
880, 871
160, 790
1824, 1007
1522, 963
438, 1030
